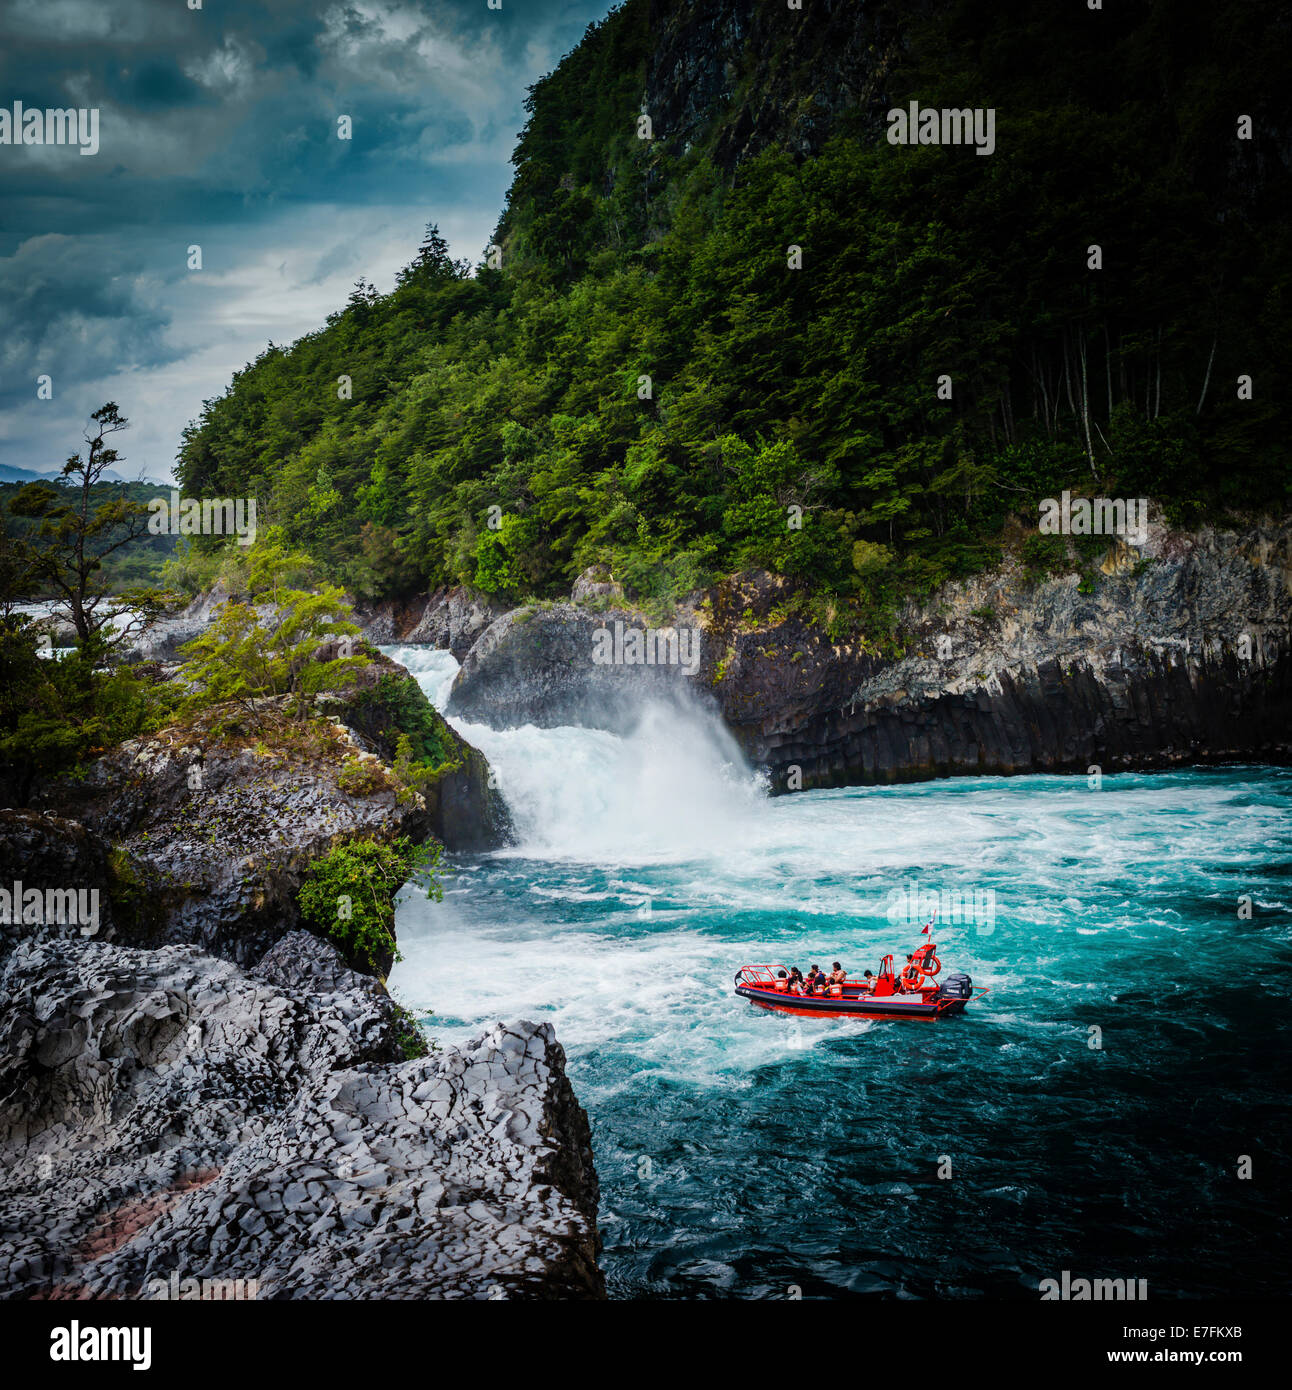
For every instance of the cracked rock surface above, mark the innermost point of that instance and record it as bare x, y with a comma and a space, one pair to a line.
1173, 651
168, 1117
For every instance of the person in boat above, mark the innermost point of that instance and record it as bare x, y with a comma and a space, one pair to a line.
838, 974
907, 981
796, 980
867, 982
782, 982
816, 980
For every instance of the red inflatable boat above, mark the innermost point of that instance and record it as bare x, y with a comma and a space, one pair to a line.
912, 994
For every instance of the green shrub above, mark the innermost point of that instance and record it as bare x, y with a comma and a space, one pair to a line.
57, 715
429, 743
195, 568
1043, 556
361, 777
267, 646
412, 1042
349, 894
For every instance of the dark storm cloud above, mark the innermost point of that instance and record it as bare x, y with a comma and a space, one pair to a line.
218, 127
63, 303
245, 96
157, 84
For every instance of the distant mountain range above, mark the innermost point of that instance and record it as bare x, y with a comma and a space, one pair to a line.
10, 474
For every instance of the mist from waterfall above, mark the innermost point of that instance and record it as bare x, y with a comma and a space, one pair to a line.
672, 785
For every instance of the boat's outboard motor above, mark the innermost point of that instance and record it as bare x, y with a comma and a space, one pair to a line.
956, 987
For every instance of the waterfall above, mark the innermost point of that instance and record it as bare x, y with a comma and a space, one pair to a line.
672, 785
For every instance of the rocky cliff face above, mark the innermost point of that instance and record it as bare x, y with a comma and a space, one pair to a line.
174, 1126
463, 809
1178, 651
735, 73
199, 1100
451, 619
213, 825
218, 861
43, 851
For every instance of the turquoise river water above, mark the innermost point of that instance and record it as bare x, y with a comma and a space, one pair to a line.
1094, 1111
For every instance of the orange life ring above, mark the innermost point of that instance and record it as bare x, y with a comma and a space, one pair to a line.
928, 963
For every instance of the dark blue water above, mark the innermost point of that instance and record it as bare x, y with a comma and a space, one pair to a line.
746, 1154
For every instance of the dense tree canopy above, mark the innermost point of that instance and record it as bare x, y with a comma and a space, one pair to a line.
649, 381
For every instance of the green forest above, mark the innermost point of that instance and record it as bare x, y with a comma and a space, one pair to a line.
648, 381
142, 561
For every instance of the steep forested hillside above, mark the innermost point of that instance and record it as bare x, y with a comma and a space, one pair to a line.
771, 387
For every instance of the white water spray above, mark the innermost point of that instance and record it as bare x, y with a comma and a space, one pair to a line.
672, 787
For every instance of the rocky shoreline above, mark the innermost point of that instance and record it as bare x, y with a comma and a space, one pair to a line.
1173, 652
170, 1118
197, 1093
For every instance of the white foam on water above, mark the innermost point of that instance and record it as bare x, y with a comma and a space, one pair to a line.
672, 787
607, 985
628, 834
1088, 884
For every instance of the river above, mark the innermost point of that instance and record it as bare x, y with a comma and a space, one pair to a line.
1093, 1112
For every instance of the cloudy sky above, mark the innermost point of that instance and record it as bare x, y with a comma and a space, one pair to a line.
218, 128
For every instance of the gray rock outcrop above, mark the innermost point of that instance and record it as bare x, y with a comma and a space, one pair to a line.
538, 666
213, 827
597, 583
448, 618
171, 1124
1178, 651
1175, 653
52, 853
162, 639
